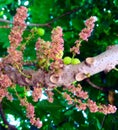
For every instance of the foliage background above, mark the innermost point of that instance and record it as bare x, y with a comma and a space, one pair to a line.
70, 15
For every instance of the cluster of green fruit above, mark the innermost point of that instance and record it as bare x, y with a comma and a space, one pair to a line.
39, 31
68, 60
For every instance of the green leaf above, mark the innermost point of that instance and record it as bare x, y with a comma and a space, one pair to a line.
3, 2
115, 3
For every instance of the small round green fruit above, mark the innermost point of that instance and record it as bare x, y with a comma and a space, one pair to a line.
75, 61
6, 126
67, 60
40, 31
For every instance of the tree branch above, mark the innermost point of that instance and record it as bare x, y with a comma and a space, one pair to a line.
93, 85
10, 127
48, 24
106, 61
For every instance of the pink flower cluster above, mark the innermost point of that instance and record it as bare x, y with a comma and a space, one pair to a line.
86, 32
31, 113
76, 49
101, 108
51, 51
15, 56
31, 116
57, 43
42, 51
83, 96
107, 109
5, 93
15, 36
81, 106
68, 98
77, 91
92, 106
37, 93
57, 48
4, 83
50, 95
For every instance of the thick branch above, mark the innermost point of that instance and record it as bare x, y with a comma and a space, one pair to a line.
106, 61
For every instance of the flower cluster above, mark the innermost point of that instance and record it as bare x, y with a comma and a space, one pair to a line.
50, 95
92, 106
5, 82
57, 48
76, 49
82, 101
50, 53
42, 52
5, 93
86, 32
107, 109
77, 91
37, 93
57, 43
31, 113
15, 36
81, 106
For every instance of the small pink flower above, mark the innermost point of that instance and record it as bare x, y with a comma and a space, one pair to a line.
92, 106
5, 81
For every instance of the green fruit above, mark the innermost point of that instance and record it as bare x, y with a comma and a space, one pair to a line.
6, 126
40, 31
75, 61
67, 60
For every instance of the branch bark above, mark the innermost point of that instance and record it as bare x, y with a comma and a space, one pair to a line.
105, 61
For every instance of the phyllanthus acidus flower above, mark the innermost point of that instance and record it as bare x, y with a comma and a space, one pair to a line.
86, 32
76, 49
81, 106
78, 91
30, 113
57, 43
42, 49
92, 106
57, 48
68, 98
5, 81
5, 93
30, 110
19, 26
15, 36
37, 93
15, 55
50, 95
36, 122
107, 109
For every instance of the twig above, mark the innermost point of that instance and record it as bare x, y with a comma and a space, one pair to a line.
67, 13
5, 21
93, 85
45, 24
103, 120
10, 127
